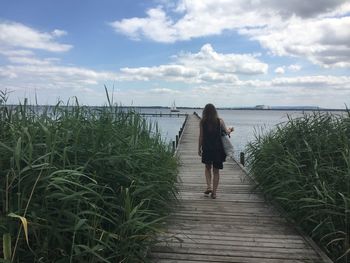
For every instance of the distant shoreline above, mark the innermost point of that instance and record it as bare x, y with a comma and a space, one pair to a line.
199, 108
283, 109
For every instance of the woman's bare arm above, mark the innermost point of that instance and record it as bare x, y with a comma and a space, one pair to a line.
227, 130
200, 140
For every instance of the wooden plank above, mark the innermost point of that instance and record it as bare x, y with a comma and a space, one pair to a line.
224, 213
235, 253
164, 257
205, 240
235, 238
249, 250
268, 236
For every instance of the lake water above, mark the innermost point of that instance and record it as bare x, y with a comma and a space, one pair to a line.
246, 123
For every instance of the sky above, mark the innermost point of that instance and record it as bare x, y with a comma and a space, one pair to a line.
232, 53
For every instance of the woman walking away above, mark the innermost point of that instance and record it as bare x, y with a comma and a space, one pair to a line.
210, 146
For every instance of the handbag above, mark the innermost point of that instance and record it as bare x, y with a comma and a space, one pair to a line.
227, 145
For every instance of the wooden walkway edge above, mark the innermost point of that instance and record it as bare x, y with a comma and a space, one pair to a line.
238, 226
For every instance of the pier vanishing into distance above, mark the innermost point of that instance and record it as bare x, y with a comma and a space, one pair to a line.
238, 226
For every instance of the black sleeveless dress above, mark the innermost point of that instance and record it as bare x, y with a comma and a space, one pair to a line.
212, 149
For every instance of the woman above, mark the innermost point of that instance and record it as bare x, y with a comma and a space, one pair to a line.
210, 146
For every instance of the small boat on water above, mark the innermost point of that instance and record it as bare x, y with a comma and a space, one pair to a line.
173, 108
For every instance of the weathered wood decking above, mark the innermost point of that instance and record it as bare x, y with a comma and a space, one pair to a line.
238, 226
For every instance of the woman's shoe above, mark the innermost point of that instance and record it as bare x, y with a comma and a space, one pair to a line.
208, 191
213, 196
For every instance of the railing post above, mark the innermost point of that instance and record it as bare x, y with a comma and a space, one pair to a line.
176, 142
241, 157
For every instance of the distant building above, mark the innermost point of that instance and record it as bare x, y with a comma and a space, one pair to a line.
262, 107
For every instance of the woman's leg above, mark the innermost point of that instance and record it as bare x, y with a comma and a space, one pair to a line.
208, 176
215, 181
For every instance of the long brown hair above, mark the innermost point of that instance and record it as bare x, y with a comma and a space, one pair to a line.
209, 116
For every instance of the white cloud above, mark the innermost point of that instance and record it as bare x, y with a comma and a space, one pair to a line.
32, 73
303, 9
7, 73
167, 72
294, 67
58, 33
210, 17
165, 91
312, 82
157, 26
318, 32
30, 60
323, 41
16, 35
205, 66
17, 52
207, 57
55, 73
199, 19
280, 70
283, 69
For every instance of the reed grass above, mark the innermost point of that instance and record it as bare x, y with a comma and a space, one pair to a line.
93, 185
304, 165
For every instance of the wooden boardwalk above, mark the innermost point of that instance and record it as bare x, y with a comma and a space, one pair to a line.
238, 226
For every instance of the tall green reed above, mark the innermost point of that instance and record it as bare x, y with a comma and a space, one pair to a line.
304, 165
93, 184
